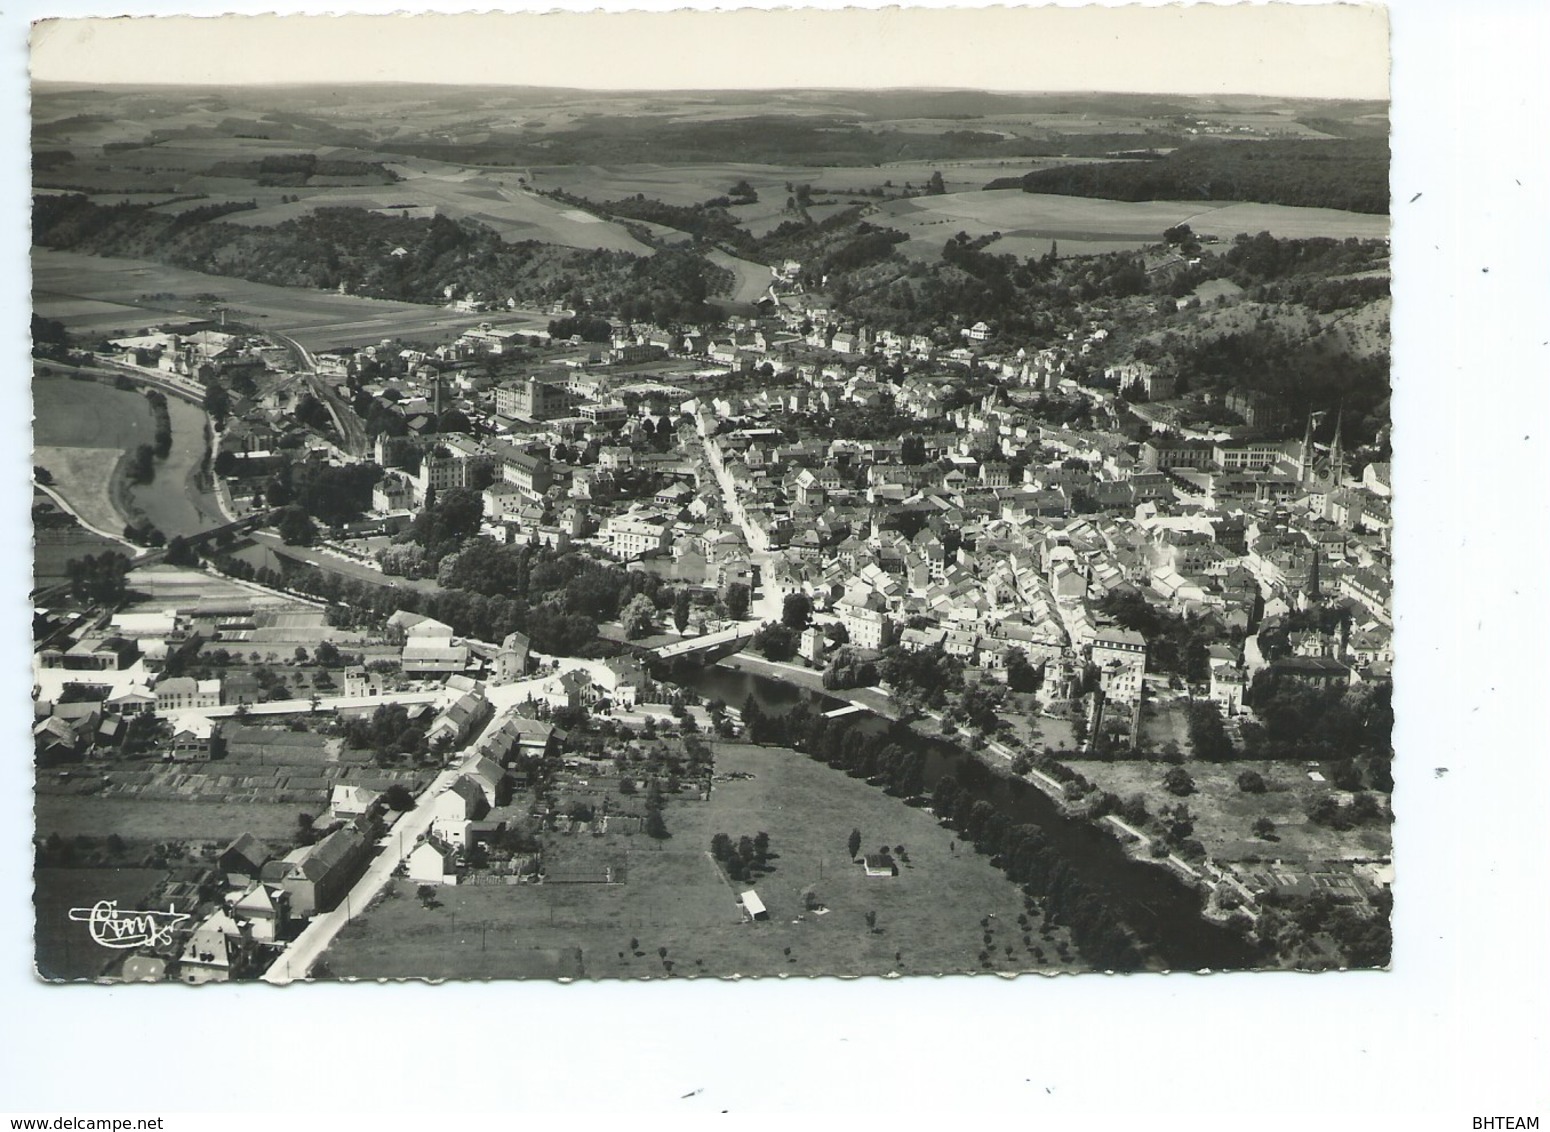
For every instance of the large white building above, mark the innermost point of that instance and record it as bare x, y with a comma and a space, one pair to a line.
184, 693
1120, 657
866, 621
633, 535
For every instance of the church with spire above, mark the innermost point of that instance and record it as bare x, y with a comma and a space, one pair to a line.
1321, 475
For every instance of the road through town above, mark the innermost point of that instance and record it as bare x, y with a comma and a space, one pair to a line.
304, 951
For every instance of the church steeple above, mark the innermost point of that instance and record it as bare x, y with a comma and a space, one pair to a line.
1337, 454
1305, 458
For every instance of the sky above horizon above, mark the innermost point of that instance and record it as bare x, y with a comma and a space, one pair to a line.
1287, 50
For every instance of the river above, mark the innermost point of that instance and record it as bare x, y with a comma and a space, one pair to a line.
173, 501
1162, 909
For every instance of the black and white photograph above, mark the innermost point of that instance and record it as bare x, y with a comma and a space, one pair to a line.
501, 530
852, 560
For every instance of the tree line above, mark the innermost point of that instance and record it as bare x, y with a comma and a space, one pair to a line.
895, 761
1349, 173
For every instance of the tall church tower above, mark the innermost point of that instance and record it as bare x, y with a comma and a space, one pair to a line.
1337, 467
1305, 458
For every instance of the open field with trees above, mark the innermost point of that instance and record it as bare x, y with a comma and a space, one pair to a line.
1029, 221
494, 199
932, 917
104, 296
353, 250
1224, 814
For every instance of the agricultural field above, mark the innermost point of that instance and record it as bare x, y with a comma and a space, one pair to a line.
1029, 221
97, 296
693, 183
53, 547
176, 587
494, 199
81, 431
142, 819
928, 918
752, 278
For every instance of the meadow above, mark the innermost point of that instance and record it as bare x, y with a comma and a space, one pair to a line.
81, 431
98, 296
930, 919
493, 199
1029, 221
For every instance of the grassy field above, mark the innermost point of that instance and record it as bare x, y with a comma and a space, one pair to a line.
81, 431
1224, 814
694, 182
101, 296
1029, 221
53, 548
491, 198
140, 819
64, 949
928, 918
752, 279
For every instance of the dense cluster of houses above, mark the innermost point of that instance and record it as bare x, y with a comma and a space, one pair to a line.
1018, 528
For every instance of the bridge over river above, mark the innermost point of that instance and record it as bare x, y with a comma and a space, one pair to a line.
713, 646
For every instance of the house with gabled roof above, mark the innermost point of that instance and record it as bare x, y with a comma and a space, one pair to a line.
211, 952
242, 860
431, 863
490, 777
265, 910
347, 802
457, 721
316, 877
456, 806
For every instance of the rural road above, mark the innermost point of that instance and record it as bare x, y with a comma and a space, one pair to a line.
304, 951
64, 505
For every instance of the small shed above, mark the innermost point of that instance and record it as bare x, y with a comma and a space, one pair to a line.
753, 906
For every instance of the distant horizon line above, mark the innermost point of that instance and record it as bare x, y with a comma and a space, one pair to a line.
1019, 92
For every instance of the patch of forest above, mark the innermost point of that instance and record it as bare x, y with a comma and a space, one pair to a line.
295, 170
390, 257
1347, 173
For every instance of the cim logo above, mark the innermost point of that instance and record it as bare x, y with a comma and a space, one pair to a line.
113, 928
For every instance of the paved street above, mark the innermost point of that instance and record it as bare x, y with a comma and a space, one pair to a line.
298, 959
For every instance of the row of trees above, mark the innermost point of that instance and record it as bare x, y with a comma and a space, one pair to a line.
895, 761
100, 579
1028, 858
